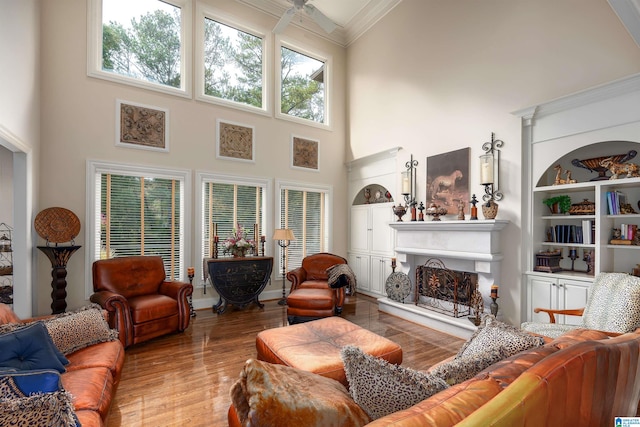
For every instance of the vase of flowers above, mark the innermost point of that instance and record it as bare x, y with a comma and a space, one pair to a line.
237, 244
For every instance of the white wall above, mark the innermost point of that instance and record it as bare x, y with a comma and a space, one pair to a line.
20, 133
78, 122
435, 76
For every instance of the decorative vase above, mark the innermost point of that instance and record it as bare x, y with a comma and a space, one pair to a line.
239, 253
490, 209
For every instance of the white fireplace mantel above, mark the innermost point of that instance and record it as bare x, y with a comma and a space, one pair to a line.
471, 245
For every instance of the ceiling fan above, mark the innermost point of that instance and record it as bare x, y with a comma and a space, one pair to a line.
320, 18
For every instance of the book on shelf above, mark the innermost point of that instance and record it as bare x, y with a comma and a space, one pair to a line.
587, 228
614, 200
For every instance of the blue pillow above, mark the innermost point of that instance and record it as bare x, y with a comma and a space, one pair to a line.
28, 349
26, 383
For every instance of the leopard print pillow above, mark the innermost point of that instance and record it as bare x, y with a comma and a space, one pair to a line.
381, 388
460, 369
494, 335
79, 329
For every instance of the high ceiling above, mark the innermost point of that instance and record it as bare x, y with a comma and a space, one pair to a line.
353, 17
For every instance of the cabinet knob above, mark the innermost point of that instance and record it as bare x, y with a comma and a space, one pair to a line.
560, 285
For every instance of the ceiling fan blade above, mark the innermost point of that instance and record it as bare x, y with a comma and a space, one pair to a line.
321, 19
284, 20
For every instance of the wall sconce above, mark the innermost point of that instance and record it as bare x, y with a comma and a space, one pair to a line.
409, 182
490, 169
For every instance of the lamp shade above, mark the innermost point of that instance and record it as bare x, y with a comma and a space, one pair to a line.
283, 234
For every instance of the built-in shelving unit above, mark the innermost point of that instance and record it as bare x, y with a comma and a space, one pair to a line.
568, 133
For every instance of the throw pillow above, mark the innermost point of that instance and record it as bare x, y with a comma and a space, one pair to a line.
382, 388
494, 335
460, 369
29, 348
11, 327
78, 329
278, 395
35, 398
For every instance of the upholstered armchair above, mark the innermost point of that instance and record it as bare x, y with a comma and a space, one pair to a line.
141, 304
613, 306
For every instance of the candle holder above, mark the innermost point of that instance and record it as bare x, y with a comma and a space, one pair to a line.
262, 240
573, 256
474, 209
191, 274
393, 265
490, 170
409, 185
494, 306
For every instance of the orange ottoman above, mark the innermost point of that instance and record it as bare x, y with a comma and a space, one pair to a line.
315, 346
304, 304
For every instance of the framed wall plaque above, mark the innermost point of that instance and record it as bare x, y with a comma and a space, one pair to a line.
142, 126
305, 153
235, 141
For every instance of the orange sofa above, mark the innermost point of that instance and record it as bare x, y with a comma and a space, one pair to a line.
583, 378
91, 377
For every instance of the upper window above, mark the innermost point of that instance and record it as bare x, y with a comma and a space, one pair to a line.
231, 63
303, 86
226, 202
137, 211
144, 43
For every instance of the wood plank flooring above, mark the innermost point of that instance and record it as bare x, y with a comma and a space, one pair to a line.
184, 379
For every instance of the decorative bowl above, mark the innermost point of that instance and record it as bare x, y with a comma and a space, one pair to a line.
594, 164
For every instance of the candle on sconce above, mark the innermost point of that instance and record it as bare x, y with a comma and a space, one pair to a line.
191, 271
406, 185
494, 291
486, 169
393, 262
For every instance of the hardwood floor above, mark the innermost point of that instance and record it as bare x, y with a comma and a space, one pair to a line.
184, 379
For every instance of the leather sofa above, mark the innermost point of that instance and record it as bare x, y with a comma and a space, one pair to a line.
92, 375
310, 296
141, 304
584, 377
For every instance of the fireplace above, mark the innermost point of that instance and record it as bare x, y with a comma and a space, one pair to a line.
471, 247
443, 290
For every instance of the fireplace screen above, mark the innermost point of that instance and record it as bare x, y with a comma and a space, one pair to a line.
443, 290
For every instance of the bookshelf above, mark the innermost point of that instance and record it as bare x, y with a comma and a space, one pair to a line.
574, 134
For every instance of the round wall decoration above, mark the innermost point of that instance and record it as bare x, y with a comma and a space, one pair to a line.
57, 225
398, 286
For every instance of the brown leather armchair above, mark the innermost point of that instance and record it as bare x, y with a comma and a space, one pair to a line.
310, 295
141, 304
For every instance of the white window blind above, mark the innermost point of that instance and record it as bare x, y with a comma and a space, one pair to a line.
141, 216
227, 204
304, 212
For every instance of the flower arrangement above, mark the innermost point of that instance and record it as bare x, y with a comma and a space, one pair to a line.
237, 244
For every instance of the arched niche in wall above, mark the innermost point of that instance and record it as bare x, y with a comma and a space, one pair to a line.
373, 193
582, 164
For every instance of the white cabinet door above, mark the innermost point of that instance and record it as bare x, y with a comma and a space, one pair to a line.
381, 233
542, 293
360, 229
380, 270
360, 265
572, 295
557, 294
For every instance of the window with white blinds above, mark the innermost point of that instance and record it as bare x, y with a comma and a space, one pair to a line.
227, 201
139, 212
305, 211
